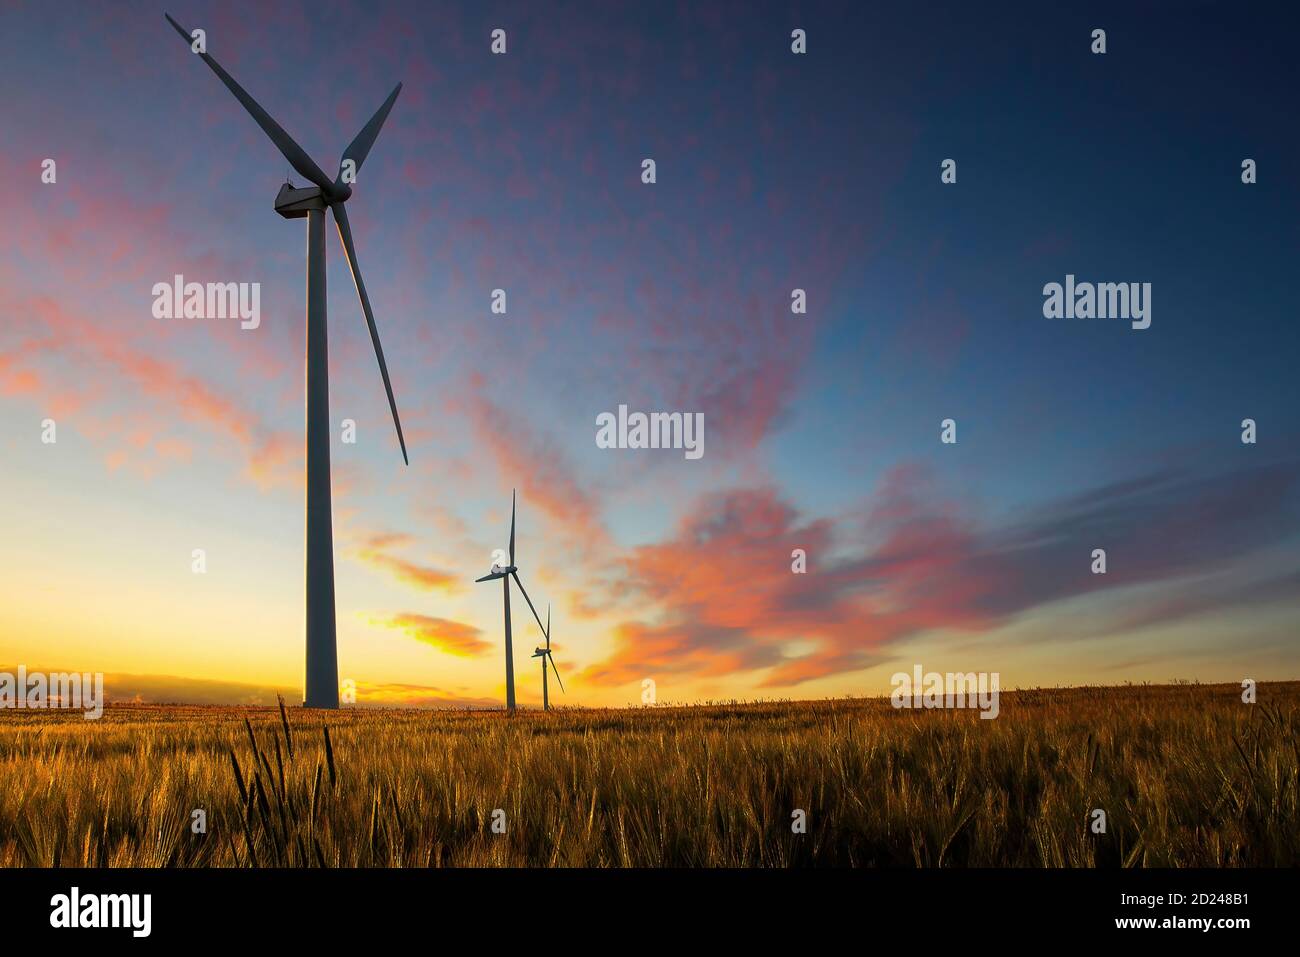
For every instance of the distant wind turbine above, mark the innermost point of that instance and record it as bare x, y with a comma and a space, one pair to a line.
545, 655
505, 574
322, 685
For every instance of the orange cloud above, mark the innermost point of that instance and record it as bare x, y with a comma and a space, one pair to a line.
724, 596
453, 637
394, 695
23, 382
382, 540
424, 577
722, 599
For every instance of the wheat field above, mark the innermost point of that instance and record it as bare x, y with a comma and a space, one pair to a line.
1187, 775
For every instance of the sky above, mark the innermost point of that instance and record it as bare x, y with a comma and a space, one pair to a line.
774, 171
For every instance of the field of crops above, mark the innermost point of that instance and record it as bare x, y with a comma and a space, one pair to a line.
1186, 775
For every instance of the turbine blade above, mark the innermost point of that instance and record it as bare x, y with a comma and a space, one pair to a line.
493, 576
345, 235
359, 148
548, 626
529, 600
556, 670
294, 153
512, 530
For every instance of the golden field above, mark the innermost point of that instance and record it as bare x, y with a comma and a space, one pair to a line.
1187, 775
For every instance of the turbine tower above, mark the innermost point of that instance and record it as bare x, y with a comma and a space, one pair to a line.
505, 575
310, 203
545, 655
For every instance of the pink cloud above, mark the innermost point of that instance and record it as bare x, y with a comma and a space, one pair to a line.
95, 361
719, 597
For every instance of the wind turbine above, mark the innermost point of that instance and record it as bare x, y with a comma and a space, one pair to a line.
310, 203
505, 574
545, 654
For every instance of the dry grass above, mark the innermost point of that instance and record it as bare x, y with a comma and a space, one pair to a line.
1187, 775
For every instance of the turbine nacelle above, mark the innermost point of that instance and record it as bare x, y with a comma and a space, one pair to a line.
497, 572
295, 203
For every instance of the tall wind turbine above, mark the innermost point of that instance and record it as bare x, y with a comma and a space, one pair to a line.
310, 203
505, 574
545, 655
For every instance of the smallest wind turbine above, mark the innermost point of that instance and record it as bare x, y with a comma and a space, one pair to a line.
545, 654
